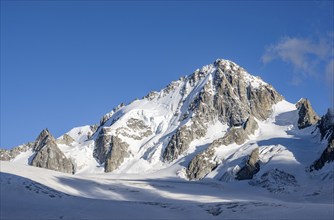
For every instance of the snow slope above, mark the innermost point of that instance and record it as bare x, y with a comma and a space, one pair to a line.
283, 188
29, 192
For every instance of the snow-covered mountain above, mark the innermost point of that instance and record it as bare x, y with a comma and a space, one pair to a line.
219, 125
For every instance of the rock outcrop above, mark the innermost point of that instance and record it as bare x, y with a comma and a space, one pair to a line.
117, 153
7, 155
326, 128
49, 156
230, 98
135, 129
180, 141
251, 168
110, 150
326, 125
102, 145
307, 115
204, 162
65, 139
327, 156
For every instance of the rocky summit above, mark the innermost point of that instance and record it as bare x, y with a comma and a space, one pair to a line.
220, 122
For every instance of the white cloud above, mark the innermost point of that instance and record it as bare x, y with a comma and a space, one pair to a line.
306, 56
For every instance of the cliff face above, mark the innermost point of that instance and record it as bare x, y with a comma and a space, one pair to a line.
307, 115
326, 128
49, 156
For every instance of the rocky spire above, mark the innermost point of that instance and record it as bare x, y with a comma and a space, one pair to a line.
49, 156
307, 115
231, 97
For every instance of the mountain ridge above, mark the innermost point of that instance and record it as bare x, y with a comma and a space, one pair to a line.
192, 119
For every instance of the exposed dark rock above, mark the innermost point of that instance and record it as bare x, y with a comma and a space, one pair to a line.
251, 168
7, 155
229, 98
102, 145
307, 115
326, 128
326, 125
66, 139
41, 140
110, 150
240, 134
135, 129
107, 116
150, 96
116, 155
93, 128
49, 156
203, 163
180, 141
327, 156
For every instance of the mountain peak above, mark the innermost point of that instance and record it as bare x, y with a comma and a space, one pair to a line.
43, 138
307, 116
218, 105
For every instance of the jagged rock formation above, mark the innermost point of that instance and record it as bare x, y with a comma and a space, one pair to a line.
326, 127
229, 98
203, 163
66, 139
135, 129
110, 150
7, 155
117, 153
46, 153
180, 141
326, 157
207, 118
106, 117
251, 168
307, 115
49, 156
102, 145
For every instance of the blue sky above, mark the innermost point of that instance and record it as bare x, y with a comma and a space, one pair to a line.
67, 63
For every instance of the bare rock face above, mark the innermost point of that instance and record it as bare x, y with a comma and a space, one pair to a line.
180, 141
326, 127
239, 135
203, 163
229, 98
41, 140
7, 155
251, 168
110, 150
66, 139
307, 115
135, 129
116, 155
49, 156
102, 145
327, 156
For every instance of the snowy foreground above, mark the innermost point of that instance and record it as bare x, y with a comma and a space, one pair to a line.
32, 193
